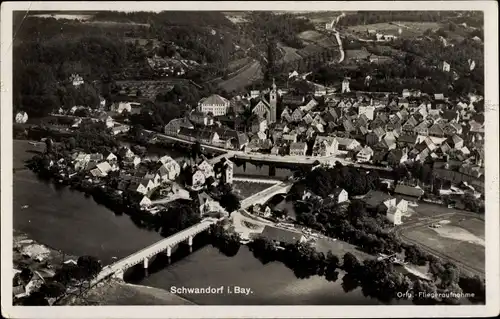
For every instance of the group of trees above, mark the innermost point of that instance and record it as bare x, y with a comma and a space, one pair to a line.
42, 70
66, 276
322, 181
377, 278
370, 17
280, 27
226, 240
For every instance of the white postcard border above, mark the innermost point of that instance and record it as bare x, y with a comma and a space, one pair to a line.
491, 308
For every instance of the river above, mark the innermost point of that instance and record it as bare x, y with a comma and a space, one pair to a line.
67, 220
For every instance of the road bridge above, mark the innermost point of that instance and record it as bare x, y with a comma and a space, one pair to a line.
142, 256
262, 196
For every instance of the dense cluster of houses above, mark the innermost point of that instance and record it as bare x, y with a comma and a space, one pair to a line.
385, 130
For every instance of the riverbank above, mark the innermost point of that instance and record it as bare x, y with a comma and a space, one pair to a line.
117, 292
45, 260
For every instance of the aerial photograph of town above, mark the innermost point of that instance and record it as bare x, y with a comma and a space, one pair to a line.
248, 158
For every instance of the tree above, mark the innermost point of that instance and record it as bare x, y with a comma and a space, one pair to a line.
53, 289
350, 263
36, 298
196, 150
90, 266
230, 202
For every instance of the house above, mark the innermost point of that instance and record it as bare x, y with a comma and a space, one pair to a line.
455, 142
76, 80
119, 107
101, 170
290, 138
422, 128
198, 179
297, 115
138, 187
200, 118
145, 202
119, 129
445, 66
109, 157
21, 117
397, 156
436, 130
215, 104
339, 195
345, 86
125, 152
206, 168
298, 149
309, 106
409, 191
201, 135
308, 119
169, 169
233, 139
375, 198
364, 155
374, 136
224, 171
439, 97
407, 140
452, 128
325, 146
347, 144
131, 161
173, 127
286, 115
282, 236
207, 204
292, 100
259, 124
368, 111
393, 215
451, 115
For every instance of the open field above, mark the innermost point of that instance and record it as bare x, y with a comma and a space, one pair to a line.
290, 54
235, 65
236, 17
64, 16
117, 24
310, 50
460, 238
408, 29
247, 189
339, 248
310, 35
317, 38
244, 78
357, 54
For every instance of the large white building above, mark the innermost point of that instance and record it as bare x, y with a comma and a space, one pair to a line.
215, 104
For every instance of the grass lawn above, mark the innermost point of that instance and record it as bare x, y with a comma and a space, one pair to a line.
247, 189
409, 29
339, 248
459, 237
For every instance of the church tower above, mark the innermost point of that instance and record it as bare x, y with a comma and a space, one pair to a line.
273, 101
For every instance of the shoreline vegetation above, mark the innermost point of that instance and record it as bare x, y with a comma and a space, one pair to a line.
359, 227
112, 292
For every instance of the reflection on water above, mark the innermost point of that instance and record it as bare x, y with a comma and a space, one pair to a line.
66, 220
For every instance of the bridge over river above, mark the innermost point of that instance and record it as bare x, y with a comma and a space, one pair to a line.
118, 268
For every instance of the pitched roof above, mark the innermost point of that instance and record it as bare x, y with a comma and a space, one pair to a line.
408, 190
374, 198
214, 99
411, 139
298, 146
